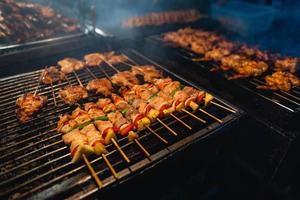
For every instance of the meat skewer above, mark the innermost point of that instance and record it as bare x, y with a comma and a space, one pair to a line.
128, 82
157, 74
78, 130
124, 83
123, 121
111, 138
172, 89
29, 104
148, 127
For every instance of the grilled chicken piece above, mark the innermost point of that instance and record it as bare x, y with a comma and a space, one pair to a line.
284, 81
147, 71
287, 65
28, 105
68, 65
93, 59
101, 86
72, 94
52, 75
217, 54
115, 59
243, 66
125, 78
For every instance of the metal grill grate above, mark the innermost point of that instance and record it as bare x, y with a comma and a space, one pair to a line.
35, 162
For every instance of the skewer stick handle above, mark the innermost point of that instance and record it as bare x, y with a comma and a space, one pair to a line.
167, 127
142, 148
210, 115
120, 150
111, 168
224, 107
196, 117
158, 136
94, 175
182, 122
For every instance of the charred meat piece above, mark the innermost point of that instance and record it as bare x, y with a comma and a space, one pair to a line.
284, 81
125, 78
52, 75
28, 105
101, 86
147, 71
68, 65
72, 94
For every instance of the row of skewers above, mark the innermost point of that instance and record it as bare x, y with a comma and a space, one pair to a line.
124, 110
243, 60
161, 18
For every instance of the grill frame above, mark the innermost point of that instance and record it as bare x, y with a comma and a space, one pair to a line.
265, 102
83, 179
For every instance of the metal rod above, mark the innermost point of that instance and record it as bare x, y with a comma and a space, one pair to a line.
210, 115
158, 136
111, 168
77, 78
167, 127
39, 83
129, 59
142, 148
94, 175
111, 65
91, 73
221, 106
69, 82
120, 150
192, 115
53, 94
182, 122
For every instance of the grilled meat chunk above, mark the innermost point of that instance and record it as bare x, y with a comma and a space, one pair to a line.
125, 78
72, 94
147, 71
52, 75
28, 105
68, 65
101, 86
93, 59
287, 64
284, 81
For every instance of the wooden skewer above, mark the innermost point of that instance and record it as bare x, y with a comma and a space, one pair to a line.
210, 115
158, 136
111, 168
53, 94
120, 150
94, 175
142, 148
182, 122
192, 115
111, 66
167, 127
224, 107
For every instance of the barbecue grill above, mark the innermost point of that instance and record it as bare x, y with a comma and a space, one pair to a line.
41, 166
260, 102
